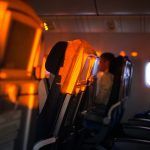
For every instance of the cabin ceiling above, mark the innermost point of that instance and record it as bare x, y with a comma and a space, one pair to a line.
94, 15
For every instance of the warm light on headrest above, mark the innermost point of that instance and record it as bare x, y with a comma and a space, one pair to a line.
72, 63
3, 7
98, 53
3, 75
75, 58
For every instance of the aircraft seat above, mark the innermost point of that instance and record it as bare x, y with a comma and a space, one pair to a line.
139, 132
139, 122
138, 126
115, 108
55, 64
145, 114
67, 67
134, 144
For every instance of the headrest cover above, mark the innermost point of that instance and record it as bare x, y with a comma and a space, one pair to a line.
56, 56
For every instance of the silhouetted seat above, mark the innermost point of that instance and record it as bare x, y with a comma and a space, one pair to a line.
55, 118
46, 118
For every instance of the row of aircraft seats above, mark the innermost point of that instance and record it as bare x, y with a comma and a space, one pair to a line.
105, 124
68, 93
64, 111
71, 64
135, 134
64, 100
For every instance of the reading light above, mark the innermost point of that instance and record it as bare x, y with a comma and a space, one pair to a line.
122, 53
45, 26
134, 54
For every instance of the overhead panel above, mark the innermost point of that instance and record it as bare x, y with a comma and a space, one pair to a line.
132, 24
64, 23
95, 16
74, 24
147, 23
123, 7
63, 7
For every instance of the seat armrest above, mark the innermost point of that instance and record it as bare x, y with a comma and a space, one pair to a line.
107, 119
43, 143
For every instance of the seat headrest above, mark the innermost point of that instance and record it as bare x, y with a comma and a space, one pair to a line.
119, 61
56, 56
122, 80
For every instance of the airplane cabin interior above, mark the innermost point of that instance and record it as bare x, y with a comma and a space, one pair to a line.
51, 69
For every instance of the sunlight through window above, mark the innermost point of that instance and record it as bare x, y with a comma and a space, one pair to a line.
147, 74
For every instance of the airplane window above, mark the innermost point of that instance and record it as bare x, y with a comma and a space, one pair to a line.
147, 74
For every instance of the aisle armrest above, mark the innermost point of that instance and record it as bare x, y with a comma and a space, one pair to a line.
43, 143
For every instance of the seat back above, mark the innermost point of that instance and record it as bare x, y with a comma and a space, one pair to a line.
88, 60
88, 95
49, 106
52, 118
120, 89
83, 85
20, 51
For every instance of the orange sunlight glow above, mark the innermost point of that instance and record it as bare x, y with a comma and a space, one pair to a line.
3, 7
12, 92
30, 101
77, 53
3, 75
43, 70
134, 54
98, 53
40, 70
71, 69
4, 24
34, 49
122, 53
